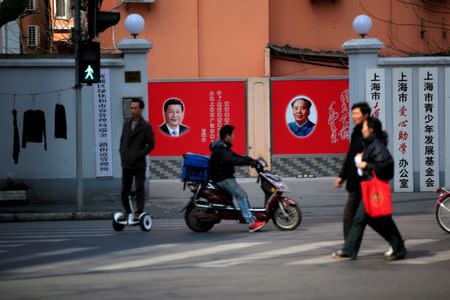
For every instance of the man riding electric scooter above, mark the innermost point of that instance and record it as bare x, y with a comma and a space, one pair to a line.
221, 172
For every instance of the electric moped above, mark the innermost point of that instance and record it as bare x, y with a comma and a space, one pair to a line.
210, 204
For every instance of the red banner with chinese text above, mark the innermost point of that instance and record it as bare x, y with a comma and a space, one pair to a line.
310, 116
195, 111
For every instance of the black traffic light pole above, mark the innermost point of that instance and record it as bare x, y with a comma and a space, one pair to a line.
78, 86
87, 55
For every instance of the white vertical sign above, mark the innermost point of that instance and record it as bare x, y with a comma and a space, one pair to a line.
376, 93
402, 137
102, 110
447, 126
428, 128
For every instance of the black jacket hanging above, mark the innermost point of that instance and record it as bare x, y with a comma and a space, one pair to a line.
34, 128
16, 147
60, 122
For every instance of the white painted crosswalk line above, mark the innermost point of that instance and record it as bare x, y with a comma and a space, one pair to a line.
11, 245
63, 229
59, 236
176, 256
56, 234
268, 254
142, 250
326, 259
46, 254
437, 257
32, 241
92, 260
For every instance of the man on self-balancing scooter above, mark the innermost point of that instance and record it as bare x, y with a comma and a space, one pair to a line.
136, 142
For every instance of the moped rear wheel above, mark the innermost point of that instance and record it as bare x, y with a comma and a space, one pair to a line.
443, 214
288, 221
191, 219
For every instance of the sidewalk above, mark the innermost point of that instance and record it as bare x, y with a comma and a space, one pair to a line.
316, 196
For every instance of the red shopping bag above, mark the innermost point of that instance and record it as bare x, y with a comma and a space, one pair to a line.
377, 197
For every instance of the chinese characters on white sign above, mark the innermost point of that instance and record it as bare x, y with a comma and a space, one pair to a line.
402, 134
428, 129
102, 110
376, 92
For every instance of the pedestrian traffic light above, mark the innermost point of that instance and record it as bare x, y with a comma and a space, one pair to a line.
89, 62
99, 21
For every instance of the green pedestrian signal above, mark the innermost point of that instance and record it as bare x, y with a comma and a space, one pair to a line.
89, 62
89, 73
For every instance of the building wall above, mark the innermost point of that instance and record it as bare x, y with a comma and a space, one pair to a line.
37, 17
51, 174
217, 38
323, 25
10, 38
199, 38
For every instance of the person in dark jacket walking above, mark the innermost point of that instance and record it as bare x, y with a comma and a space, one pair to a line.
221, 172
360, 112
136, 142
375, 158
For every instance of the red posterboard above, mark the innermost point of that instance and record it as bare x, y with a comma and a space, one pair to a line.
321, 129
206, 107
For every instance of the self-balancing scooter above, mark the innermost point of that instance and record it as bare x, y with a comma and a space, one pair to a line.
144, 221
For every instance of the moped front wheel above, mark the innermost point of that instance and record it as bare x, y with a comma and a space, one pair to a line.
289, 219
443, 214
191, 217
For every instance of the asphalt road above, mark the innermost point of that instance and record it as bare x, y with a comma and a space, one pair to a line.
88, 260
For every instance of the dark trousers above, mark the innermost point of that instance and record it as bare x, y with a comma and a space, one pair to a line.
353, 201
384, 226
127, 181
351, 207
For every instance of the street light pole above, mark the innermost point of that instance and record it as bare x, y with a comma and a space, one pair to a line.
78, 86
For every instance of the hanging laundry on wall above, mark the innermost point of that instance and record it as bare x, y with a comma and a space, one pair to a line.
34, 128
60, 122
16, 146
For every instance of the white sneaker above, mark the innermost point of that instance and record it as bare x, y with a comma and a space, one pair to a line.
389, 252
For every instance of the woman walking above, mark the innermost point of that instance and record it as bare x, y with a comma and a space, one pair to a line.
375, 158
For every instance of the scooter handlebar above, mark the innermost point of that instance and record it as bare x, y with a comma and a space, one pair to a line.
260, 165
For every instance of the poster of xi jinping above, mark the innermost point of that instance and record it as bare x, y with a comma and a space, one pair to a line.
187, 116
310, 116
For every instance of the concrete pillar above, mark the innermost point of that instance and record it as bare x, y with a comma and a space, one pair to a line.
135, 78
135, 57
362, 54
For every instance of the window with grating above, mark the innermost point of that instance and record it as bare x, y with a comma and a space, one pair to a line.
62, 9
33, 38
31, 5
